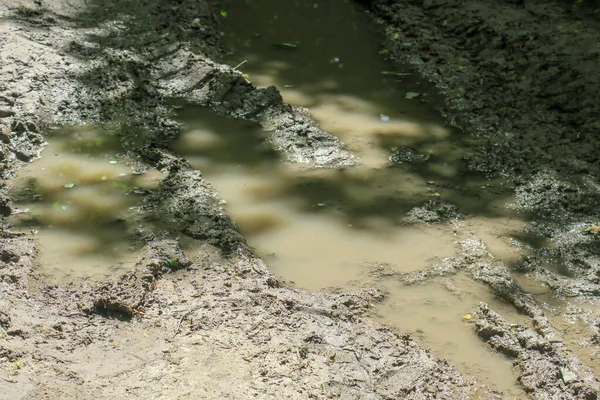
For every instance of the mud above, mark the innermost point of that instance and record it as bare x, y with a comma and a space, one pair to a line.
202, 316
202, 320
526, 87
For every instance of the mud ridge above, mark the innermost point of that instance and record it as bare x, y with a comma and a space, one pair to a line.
545, 369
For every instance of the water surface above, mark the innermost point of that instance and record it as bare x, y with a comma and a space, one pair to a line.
81, 200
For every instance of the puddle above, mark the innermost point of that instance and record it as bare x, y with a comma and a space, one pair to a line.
318, 228
332, 228
80, 200
337, 72
433, 315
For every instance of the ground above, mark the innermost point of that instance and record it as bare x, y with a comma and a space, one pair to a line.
520, 75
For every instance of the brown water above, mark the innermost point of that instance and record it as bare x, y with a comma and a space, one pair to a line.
339, 228
433, 314
80, 200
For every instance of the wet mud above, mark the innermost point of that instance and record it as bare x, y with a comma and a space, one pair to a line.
199, 313
201, 319
525, 87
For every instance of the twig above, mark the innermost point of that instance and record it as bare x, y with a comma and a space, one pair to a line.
240, 64
136, 356
178, 327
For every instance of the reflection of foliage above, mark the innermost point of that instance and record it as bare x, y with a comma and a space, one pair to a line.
92, 146
32, 191
119, 185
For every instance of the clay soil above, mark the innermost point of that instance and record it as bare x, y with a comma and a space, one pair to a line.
521, 75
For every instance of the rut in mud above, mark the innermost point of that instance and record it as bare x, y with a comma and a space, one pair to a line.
372, 165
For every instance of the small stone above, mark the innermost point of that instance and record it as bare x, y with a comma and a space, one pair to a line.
567, 375
196, 24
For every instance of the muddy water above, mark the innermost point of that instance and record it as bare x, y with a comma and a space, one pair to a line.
315, 228
326, 56
80, 200
338, 228
434, 315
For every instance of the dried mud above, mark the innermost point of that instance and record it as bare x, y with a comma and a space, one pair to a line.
214, 323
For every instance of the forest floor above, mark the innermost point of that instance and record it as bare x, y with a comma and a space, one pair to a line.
522, 76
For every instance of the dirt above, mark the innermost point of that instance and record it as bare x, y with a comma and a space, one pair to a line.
210, 320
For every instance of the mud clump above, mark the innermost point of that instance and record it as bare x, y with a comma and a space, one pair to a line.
433, 212
294, 133
546, 370
407, 155
191, 206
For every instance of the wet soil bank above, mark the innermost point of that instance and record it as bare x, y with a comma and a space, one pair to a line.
207, 323
212, 322
523, 76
